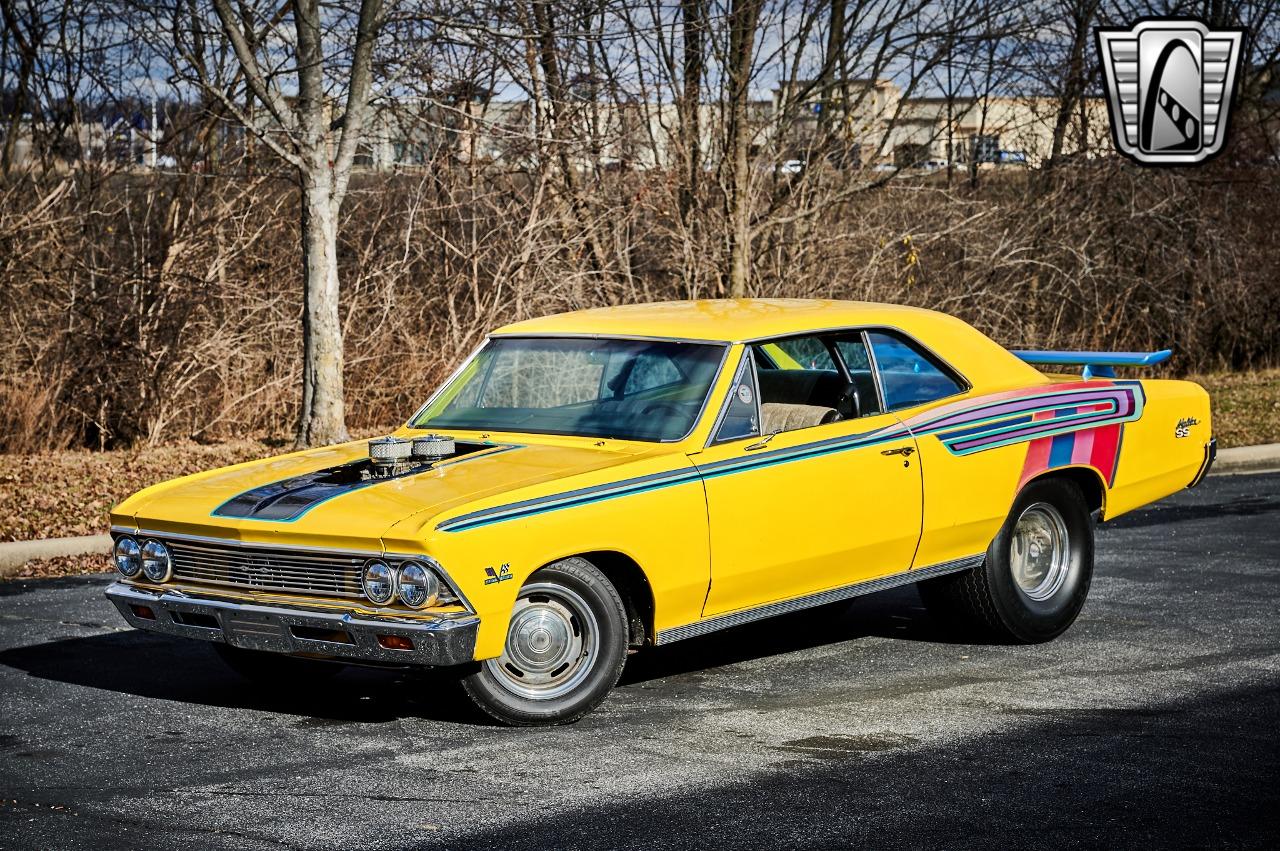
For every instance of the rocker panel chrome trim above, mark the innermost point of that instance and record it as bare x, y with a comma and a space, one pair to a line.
820, 598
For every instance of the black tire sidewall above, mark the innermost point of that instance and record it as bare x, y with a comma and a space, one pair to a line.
582, 577
1025, 619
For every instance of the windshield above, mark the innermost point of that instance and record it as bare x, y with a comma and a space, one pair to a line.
626, 389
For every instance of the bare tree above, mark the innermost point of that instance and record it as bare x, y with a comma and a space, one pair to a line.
20, 31
1078, 16
693, 15
744, 16
321, 147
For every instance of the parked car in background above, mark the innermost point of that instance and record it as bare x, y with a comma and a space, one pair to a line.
612, 479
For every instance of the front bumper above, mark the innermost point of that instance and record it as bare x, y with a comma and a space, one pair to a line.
447, 640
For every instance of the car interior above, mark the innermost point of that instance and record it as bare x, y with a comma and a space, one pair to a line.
802, 383
814, 380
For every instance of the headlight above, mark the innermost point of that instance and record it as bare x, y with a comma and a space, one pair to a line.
379, 582
419, 586
156, 563
128, 557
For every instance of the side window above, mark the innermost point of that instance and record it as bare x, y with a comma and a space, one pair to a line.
799, 353
740, 418
908, 375
853, 351
800, 385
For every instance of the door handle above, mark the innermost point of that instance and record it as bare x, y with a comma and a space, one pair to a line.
904, 451
761, 443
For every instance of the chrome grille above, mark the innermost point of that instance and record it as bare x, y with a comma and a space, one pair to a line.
292, 571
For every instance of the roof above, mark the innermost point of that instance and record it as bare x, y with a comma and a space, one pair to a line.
983, 362
723, 320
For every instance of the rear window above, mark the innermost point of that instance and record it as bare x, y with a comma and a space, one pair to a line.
909, 376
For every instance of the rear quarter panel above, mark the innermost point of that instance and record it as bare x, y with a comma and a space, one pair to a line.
1161, 453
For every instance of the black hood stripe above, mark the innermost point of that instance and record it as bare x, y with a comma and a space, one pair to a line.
289, 499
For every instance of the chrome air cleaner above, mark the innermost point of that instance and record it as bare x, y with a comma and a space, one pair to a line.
388, 453
432, 447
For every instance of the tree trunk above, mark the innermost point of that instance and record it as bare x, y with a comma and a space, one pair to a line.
322, 418
558, 108
743, 15
323, 169
834, 83
26, 64
694, 20
1082, 13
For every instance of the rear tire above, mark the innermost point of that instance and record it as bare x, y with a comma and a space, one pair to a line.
565, 649
274, 670
1036, 574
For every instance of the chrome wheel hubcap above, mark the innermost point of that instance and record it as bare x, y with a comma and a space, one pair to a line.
1039, 554
552, 643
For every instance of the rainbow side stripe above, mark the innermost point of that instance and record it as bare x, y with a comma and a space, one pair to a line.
1072, 423
1092, 447
976, 428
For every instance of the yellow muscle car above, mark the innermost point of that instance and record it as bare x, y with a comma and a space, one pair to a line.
632, 476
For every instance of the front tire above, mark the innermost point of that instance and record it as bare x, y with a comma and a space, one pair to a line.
1036, 574
565, 649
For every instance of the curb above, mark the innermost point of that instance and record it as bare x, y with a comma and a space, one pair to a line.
14, 554
1264, 458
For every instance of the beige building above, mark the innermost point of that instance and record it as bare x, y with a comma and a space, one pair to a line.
886, 128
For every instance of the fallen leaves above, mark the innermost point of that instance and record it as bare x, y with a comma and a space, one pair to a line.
61, 494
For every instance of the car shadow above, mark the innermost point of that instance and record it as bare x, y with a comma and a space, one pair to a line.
157, 666
1165, 513
151, 665
896, 613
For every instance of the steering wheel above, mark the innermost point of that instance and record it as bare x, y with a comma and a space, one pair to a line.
848, 403
655, 407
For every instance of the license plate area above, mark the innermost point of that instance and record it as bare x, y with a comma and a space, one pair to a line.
255, 632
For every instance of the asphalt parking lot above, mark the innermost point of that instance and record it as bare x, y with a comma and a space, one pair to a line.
1152, 723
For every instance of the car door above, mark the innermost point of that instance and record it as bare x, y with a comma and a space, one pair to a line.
966, 496
812, 507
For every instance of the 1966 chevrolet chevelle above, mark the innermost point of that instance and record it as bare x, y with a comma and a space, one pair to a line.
624, 477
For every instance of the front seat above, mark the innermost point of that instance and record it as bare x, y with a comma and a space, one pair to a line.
783, 416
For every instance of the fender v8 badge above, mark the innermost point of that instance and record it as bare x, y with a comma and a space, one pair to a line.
1169, 86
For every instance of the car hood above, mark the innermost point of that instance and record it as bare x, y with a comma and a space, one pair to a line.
357, 517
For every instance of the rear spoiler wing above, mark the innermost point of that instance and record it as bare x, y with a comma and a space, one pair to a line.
1096, 364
